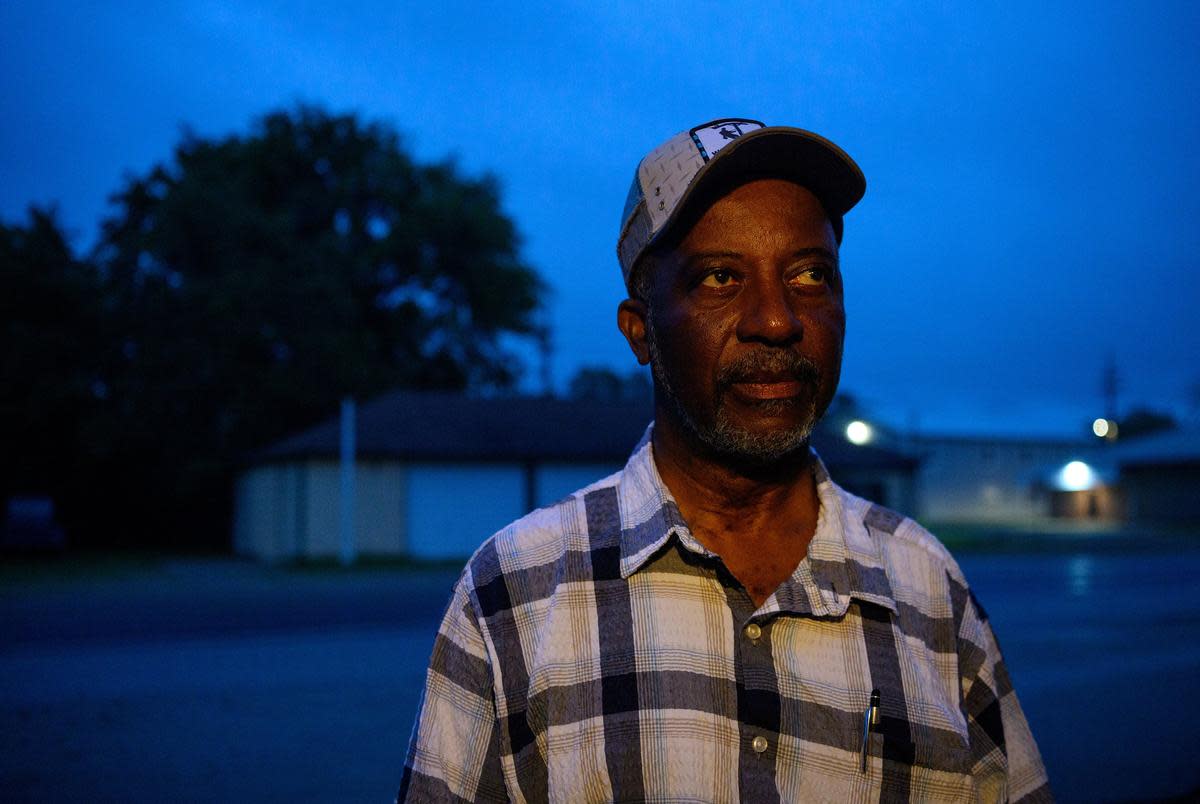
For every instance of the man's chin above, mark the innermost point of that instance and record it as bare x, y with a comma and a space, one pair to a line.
756, 448
750, 434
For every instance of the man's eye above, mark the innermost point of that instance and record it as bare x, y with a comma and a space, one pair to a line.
816, 275
717, 279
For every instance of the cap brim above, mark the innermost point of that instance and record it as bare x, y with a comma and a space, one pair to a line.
779, 152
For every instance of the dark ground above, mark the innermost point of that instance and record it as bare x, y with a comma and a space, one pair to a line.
218, 680
211, 680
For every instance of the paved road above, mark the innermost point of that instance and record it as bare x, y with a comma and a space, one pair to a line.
213, 681
1104, 650
218, 597
224, 681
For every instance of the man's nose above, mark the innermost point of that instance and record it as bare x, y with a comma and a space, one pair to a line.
767, 315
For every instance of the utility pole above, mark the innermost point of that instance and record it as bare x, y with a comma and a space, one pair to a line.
347, 548
1110, 384
545, 353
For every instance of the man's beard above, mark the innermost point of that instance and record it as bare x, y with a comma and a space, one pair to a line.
721, 435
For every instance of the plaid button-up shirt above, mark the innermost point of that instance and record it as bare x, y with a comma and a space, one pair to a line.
596, 651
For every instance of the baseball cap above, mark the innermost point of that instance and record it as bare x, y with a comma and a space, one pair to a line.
725, 150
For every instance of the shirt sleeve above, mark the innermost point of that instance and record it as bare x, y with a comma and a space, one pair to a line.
1007, 765
454, 752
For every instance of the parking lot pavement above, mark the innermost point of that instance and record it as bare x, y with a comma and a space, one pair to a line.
301, 717
213, 682
210, 597
225, 681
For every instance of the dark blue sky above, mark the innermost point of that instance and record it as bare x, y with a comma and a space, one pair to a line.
1032, 169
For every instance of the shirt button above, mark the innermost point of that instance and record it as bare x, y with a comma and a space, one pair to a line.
759, 744
753, 631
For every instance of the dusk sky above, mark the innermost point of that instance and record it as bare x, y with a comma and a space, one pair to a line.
1033, 170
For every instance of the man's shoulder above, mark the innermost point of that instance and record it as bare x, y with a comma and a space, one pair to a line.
544, 537
900, 538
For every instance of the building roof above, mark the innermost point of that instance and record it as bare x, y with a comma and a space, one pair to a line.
448, 426
1170, 447
1002, 440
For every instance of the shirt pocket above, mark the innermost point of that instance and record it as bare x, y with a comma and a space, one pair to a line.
919, 748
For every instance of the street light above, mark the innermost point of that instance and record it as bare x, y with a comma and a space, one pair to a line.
858, 432
1077, 476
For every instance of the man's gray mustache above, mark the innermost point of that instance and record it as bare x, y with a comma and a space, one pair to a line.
775, 361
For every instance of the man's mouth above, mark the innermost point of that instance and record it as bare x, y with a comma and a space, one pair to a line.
762, 388
769, 376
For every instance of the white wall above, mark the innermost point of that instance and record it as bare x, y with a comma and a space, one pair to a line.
988, 479
379, 522
424, 510
288, 511
453, 507
267, 513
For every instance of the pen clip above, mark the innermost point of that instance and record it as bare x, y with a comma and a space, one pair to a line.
870, 719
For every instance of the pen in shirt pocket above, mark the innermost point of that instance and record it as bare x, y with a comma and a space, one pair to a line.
870, 718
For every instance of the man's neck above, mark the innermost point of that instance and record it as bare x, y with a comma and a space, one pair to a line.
759, 519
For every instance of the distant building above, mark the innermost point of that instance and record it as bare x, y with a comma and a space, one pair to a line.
1160, 477
1009, 480
437, 473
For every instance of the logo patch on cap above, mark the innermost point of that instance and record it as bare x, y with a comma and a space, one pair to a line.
712, 138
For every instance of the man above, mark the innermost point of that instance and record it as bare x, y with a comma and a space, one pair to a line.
720, 621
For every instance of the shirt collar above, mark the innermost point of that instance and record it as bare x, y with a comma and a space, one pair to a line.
843, 562
649, 514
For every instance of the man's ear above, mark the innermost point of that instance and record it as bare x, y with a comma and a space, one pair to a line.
631, 320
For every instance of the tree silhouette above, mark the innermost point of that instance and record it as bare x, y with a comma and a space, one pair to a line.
50, 347
251, 281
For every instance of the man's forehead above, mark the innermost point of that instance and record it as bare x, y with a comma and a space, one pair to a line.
757, 198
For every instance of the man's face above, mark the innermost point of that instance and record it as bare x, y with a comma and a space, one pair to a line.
745, 323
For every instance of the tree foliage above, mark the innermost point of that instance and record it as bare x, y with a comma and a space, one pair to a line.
1144, 421
248, 283
51, 325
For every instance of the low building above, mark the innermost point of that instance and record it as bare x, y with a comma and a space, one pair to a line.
434, 474
1160, 477
1012, 480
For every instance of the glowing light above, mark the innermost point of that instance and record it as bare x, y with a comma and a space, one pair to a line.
1076, 476
1100, 428
858, 432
